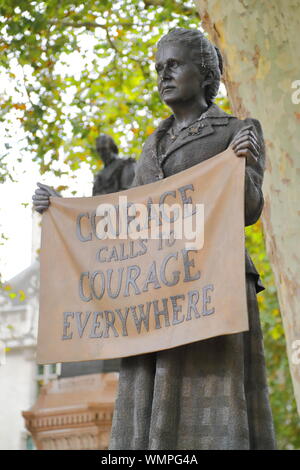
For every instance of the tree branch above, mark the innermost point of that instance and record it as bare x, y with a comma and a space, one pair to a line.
175, 7
84, 24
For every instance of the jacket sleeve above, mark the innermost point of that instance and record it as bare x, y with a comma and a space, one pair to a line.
254, 173
143, 165
128, 173
137, 180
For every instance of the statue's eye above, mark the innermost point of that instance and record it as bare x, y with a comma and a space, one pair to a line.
173, 63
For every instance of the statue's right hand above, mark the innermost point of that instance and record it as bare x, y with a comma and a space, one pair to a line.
41, 197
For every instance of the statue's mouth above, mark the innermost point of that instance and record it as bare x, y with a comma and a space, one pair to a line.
168, 88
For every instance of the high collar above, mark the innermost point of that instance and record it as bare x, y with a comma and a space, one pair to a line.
203, 126
213, 112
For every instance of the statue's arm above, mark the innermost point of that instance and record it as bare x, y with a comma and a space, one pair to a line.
96, 186
41, 197
249, 142
137, 180
128, 174
142, 165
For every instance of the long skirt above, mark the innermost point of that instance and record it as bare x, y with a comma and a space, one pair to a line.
210, 394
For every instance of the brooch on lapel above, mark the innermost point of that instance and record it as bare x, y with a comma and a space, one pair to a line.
194, 130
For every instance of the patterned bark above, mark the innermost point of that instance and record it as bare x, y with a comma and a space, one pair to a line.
260, 45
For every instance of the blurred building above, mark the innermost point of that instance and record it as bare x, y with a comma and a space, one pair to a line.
47, 406
74, 413
19, 376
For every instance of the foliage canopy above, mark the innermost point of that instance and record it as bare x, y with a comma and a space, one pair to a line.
83, 68
76, 69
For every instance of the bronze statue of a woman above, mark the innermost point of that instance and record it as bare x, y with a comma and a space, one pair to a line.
211, 394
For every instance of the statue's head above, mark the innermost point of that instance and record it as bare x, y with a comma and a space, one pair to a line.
106, 148
188, 66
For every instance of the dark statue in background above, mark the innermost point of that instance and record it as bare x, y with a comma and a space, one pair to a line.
209, 394
117, 175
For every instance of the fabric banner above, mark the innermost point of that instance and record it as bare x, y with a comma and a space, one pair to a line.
151, 268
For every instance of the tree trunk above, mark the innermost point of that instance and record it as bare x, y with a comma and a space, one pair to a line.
259, 42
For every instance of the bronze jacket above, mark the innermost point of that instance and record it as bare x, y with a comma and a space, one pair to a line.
209, 135
115, 177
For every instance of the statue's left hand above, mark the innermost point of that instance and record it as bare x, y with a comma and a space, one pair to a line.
245, 144
41, 197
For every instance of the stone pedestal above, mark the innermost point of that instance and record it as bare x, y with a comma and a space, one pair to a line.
74, 413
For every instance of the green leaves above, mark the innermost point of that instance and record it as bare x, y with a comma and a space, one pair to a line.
286, 419
86, 68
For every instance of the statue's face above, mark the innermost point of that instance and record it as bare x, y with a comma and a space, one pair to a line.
103, 147
179, 79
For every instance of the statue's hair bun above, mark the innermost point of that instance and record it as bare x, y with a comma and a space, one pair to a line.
220, 59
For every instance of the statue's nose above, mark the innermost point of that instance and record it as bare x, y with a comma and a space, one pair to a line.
164, 72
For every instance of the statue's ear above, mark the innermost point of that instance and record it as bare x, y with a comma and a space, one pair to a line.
209, 78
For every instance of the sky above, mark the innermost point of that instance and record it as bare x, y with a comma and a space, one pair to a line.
16, 197
16, 218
